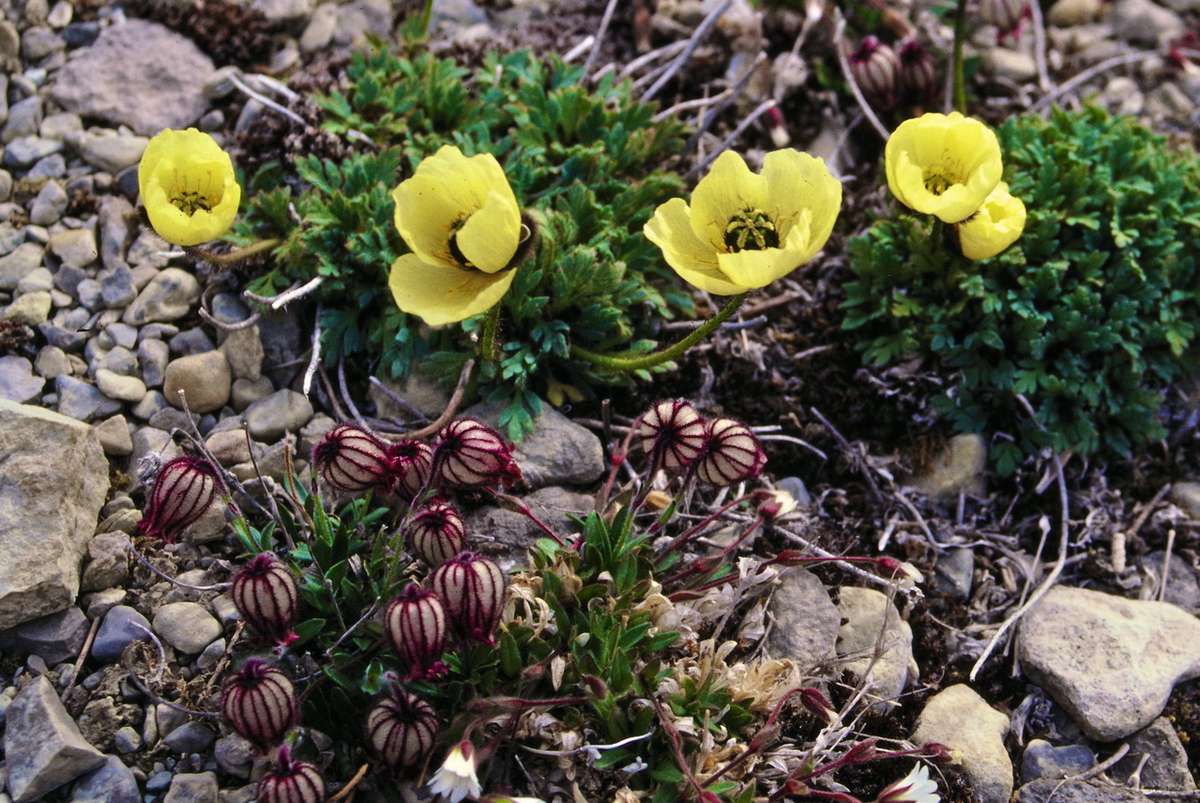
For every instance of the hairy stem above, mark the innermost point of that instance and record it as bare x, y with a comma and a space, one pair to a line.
238, 254
487, 343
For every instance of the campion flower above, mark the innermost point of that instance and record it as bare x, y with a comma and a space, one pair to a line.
874, 66
744, 230
673, 430
456, 780
461, 220
471, 588
410, 463
468, 454
436, 533
918, 73
264, 593
291, 781
188, 187
259, 702
181, 494
943, 164
415, 625
916, 787
997, 225
401, 729
351, 459
731, 453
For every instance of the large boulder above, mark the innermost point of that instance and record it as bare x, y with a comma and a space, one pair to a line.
53, 480
43, 748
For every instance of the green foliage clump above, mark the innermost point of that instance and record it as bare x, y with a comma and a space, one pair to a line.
1088, 315
583, 162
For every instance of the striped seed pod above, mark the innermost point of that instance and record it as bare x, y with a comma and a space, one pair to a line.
673, 430
291, 781
918, 72
469, 454
264, 593
731, 453
182, 492
351, 459
874, 66
259, 702
436, 533
401, 729
1006, 15
410, 463
472, 589
415, 625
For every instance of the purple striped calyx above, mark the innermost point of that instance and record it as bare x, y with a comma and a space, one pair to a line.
672, 431
731, 453
291, 781
918, 72
415, 624
410, 463
472, 589
182, 492
875, 66
436, 533
401, 729
469, 454
259, 702
264, 593
351, 459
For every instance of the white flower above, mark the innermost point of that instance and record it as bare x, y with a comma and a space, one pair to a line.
455, 780
916, 787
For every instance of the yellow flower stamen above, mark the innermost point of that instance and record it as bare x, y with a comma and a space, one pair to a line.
751, 229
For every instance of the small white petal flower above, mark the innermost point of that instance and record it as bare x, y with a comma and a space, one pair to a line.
916, 787
456, 780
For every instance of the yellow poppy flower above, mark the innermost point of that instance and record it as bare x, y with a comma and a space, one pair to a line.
188, 187
744, 230
997, 225
943, 165
461, 220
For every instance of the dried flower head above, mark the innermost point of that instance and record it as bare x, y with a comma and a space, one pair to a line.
291, 781
182, 492
874, 66
674, 431
469, 454
264, 593
731, 453
415, 625
401, 729
351, 459
471, 588
410, 463
259, 702
436, 533
456, 778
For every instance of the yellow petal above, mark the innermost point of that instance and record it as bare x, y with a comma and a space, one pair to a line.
178, 162
753, 269
956, 150
798, 183
728, 189
439, 295
694, 260
997, 225
490, 237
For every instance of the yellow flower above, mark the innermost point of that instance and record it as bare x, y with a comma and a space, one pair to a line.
461, 220
188, 187
997, 225
943, 165
745, 230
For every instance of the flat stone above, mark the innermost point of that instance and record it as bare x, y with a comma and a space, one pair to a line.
186, 626
30, 309
114, 436
1109, 661
1043, 760
193, 788
319, 31
20, 263
246, 392
243, 350
806, 621
60, 125
98, 603
77, 399
25, 151
234, 755
123, 388
283, 411
49, 204
229, 447
1183, 584
1088, 792
17, 381
51, 361
963, 721
958, 469
512, 533
54, 638
36, 280
108, 562
118, 630
75, 247
47, 516
865, 612
140, 74
169, 297
1166, 764
190, 737
24, 119
1184, 494
152, 357
283, 10
111, 153
203, 378
954, 572
1145, 23
111, 782
117, 289
558, 452
42, 745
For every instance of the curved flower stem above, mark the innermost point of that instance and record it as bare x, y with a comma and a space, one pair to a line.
238, 254
615, 362
491, 328
960, 33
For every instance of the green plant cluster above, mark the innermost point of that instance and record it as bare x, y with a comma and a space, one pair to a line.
1089, 315
584, 162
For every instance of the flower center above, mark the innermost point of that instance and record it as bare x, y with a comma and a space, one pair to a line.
455, 251
937, 183
190, 202
751, 229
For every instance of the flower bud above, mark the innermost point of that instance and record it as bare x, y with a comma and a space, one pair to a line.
673, 430
410, 462
436, 533
817, 705
291, 781
264, 593
401, 729
351, 459
471, 455
918, 72
415, 625
182, 492
874, 66
1006, 15
472, 590
731, 453
259, 702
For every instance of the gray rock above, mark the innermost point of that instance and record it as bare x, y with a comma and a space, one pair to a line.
82, 401
795, 488
319, 32
190, 737
115, 215
20, 263
243, 350
75, 247
1166, 764
112, 782
119, 360
111, 153
98, 603
127, 739
1184, 494
47, 515
203, 378
1183, 585
153, 356
42, 746
17, 382
60, 125
213, 652
30, 309
193, 788
116, 386
117, 290
246, 392
283, 343
186, 626
49, 204
1144, 22
283, 411
108, 562
53, 166
140, 74
360, 18
559, 452
52, 361
806, 621
1043, 760
38, 42
191, 341
512, 533
24, 119
1086, 792
283, 10
963, 721
1110, 662
39, 279
865, 612
954, 572
10, 47
123, 334
54, 638
114, 436
229, 308
118, 630
25, 151
958, 469
234, 755
149, 440
169, 297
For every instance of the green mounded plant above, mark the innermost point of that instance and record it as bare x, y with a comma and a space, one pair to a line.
583, 162
1088, 315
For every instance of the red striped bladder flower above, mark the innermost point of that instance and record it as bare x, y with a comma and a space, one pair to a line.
410, 464
401, 729
436, 533
182, 492
264, 593
469, 454
731, 453
471, 588
415, 625
259, 702
291, 781
351, 459
673, 431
